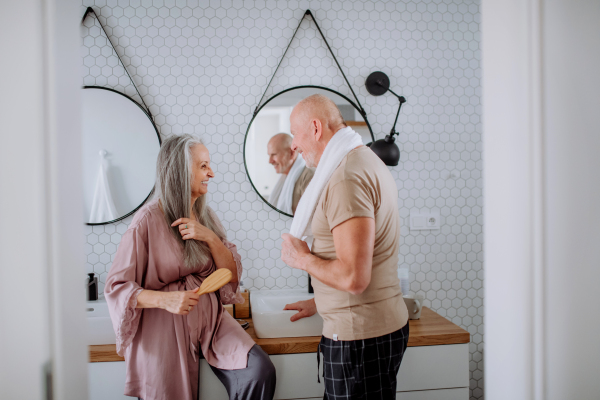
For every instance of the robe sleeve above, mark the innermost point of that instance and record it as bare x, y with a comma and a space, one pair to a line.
122, 286
230, 293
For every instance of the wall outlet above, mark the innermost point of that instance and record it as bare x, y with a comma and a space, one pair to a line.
421, 222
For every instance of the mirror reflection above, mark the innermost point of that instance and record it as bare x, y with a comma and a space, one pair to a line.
293, 174
279, 174
120, 144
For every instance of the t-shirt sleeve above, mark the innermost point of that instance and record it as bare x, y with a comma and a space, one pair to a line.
349, 198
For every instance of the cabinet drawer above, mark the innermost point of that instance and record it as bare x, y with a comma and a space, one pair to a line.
440, 394
434, 367
107, 381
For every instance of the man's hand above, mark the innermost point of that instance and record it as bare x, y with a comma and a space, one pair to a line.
306, 308
294, 251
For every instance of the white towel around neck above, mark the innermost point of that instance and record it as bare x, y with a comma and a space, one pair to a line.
342, 142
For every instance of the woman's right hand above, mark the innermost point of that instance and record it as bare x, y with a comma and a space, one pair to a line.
180, 302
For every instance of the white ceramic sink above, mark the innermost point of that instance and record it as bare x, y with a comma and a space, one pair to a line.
100, 329
271, 321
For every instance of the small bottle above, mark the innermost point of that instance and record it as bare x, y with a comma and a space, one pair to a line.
92, 287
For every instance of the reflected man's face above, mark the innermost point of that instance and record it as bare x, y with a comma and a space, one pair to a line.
281, 157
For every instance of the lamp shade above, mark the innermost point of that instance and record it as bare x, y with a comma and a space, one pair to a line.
387, 150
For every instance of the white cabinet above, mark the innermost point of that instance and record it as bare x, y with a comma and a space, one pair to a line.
439, 394
296, 378
434, 367
107, 381
427, 373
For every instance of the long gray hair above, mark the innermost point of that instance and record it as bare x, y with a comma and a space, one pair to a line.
174, 175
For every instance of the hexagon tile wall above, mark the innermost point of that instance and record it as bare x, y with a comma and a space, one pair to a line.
202, 67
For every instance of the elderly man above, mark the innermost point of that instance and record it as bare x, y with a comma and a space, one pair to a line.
354, 255
295, 177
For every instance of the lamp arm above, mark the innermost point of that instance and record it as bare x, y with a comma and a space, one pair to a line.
401, 99
393, 131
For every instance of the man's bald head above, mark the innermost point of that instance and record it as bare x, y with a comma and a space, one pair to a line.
322, 108
313, 122
281, 141
281, 155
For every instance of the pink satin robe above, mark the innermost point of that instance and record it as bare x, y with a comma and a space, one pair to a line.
160, 348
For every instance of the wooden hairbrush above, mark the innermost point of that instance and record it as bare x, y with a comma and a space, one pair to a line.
215, 281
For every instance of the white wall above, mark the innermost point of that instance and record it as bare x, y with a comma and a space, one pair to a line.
542, 190
572, 147
24, 351
508, 174
42, 299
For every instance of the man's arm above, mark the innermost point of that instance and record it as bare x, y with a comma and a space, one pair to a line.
354, 241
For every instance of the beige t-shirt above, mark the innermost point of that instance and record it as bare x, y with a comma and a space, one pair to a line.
362, 186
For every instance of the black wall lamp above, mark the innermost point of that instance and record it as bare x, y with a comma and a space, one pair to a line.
377, 84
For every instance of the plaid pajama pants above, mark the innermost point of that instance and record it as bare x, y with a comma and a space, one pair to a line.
363, 369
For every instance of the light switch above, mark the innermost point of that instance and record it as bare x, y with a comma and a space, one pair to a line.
424, 221
417, 222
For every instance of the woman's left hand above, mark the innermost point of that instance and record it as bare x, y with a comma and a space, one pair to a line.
192, 229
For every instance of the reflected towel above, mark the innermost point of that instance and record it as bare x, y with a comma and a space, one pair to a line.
103, 207
342, 142
276, 192
284, 202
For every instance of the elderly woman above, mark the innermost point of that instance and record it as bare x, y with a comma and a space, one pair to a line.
173, 243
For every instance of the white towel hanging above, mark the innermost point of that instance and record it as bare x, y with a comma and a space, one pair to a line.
342, 142
103, 206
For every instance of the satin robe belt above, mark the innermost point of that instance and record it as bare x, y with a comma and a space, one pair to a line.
204, 318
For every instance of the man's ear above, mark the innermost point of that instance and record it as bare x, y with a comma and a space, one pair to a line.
317, 129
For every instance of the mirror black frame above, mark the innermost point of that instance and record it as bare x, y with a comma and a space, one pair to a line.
267, 102
159, 144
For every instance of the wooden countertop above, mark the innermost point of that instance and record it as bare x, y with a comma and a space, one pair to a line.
432, 329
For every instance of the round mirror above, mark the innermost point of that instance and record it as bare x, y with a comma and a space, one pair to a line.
278, 174
120, 146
